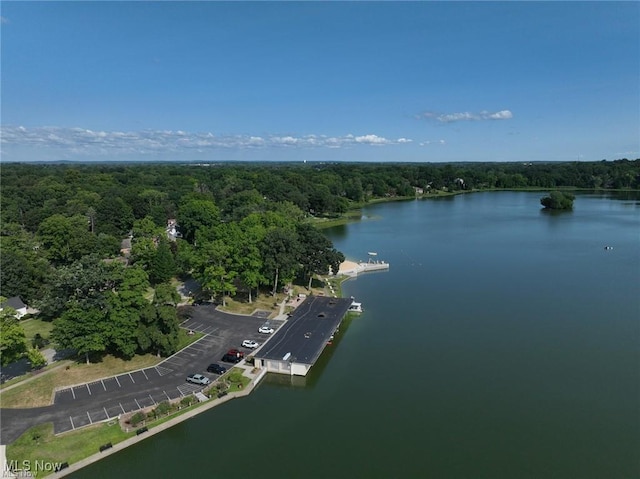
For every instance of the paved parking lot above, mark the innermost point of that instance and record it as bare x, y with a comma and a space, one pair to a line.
106, 398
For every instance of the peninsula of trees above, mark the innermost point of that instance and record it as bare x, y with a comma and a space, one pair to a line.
93, 247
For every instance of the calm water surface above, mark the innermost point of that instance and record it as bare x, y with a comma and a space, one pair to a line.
502, 343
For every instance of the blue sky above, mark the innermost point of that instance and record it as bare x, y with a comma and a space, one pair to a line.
331, 81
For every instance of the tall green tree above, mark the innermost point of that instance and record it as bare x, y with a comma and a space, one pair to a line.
195, 214
113, 216
66, 239
250, 262
159, 329
124, 307
13, 344
280, 250
85, 283
163, 265
24, 271
84, 330
317, 253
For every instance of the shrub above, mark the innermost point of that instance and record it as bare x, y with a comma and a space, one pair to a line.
39, 342
36, 358
137, 418
163, 408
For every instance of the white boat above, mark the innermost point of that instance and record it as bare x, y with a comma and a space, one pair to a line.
355, 307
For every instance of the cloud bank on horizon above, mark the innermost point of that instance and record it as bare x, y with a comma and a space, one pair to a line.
467, 116
88, 142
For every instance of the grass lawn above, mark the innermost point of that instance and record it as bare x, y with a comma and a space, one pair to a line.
237, 380
40, 444
348, 217
240, 305
33, 326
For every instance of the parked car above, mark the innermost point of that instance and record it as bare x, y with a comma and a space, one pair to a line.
236, 352
247, 343
231, 358
216, 368
198, 379
265, 330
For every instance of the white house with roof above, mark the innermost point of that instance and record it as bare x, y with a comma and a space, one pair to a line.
16, 303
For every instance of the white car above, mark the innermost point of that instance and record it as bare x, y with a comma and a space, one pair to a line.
247, 343
265, 330
198, 379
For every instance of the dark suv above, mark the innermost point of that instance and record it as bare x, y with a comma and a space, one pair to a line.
231, 358
216, 368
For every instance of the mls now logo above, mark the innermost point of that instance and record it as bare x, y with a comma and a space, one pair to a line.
28, 468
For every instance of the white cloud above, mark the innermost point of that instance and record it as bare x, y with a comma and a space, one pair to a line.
90, 142
466, 116
432, 142
498, 115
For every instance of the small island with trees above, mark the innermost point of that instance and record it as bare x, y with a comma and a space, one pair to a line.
558, 200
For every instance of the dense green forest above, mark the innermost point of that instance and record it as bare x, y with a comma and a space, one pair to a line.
241, 229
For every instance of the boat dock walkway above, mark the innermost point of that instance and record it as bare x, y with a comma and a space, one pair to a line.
350, 268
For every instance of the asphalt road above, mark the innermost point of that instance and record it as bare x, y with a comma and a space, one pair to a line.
105, 399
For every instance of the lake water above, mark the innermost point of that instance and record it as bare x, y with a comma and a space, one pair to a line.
502, 343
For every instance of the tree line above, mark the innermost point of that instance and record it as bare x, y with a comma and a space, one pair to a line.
242, 229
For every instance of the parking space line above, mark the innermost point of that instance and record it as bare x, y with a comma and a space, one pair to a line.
71, 419
119, 385
139, 407
123, 411
88, 389
165, 393
105, 387
131, 378
145, 375
89, 416
200, 349
162, 371
105, 411
153, 400
74, 394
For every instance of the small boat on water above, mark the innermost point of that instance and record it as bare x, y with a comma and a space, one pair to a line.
355, 307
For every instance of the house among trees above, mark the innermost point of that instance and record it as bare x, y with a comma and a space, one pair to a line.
172, 230
16, 303
125, 247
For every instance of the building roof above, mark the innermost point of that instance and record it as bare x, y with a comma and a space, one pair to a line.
306, 333
15, 302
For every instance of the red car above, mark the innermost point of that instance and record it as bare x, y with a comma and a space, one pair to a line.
235, 352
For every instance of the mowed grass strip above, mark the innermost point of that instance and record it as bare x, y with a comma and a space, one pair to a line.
40, 444
240, 305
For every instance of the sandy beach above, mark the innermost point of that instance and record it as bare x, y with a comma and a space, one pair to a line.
347, 266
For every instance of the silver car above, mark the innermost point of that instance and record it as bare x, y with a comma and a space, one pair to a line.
198, 379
